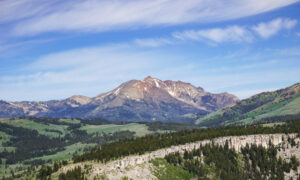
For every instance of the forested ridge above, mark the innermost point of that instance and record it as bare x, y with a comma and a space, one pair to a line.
141, 145
219, 162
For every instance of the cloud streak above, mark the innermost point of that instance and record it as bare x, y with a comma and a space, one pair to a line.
92, 70
22, 9
153, 42
268, 29
88, 71
218, 35
102, 15
237, 33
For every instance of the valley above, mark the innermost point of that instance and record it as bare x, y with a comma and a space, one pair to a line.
28, 142
120, 158
149, 90
122, 146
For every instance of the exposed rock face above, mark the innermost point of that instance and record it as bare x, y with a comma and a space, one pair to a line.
154, 99
118, 167
76, 101
144, 100
8, 109
235, 142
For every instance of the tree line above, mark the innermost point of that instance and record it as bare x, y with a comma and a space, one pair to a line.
220, 162
141, 145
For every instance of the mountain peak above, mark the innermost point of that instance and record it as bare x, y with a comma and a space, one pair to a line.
156, 90
147, 78
150, 78
134, 100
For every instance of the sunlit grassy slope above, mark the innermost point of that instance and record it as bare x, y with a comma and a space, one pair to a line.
44, 129
139, 129
67, 153
275, 105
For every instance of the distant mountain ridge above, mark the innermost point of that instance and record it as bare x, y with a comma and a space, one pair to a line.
280, 105
136, 100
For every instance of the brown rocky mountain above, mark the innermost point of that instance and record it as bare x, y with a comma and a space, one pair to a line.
135, 100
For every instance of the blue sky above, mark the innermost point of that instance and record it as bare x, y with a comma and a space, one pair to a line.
55, 49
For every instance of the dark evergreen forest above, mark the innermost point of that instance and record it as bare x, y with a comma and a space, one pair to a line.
254, 162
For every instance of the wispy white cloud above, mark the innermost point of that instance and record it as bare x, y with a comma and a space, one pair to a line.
236, 33
11, 49
101, 15
268, 29
93, 70
87, 71
153, 42
22, 9
288, 52
218, 35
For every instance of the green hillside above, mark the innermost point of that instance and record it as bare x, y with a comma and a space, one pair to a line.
280, 105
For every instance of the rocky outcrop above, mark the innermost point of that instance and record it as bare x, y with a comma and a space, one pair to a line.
235, 142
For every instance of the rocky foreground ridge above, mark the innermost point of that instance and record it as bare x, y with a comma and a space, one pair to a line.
138, 167
136, 100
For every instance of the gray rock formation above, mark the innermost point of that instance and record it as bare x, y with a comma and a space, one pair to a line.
235, 142
131, 165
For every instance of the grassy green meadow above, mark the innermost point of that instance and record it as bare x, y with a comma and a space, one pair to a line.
70, 137
138, 129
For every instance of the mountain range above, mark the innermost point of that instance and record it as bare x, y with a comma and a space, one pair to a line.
149, 99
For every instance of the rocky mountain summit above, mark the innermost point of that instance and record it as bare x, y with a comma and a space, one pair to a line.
136, 100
